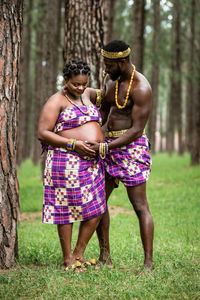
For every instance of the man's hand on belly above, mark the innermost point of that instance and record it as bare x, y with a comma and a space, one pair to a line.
94, 146
83, 149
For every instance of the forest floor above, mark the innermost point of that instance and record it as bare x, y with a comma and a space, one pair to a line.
174, 198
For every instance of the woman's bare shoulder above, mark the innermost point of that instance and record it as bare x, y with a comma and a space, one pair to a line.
55, 100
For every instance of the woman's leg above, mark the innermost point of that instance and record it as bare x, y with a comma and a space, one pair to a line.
65, 235
86, 230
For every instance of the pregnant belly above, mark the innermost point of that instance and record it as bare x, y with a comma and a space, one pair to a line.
90, 131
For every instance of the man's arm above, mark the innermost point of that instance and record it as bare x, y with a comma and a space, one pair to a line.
97, 98
140, 113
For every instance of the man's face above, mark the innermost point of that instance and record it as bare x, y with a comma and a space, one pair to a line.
112, 68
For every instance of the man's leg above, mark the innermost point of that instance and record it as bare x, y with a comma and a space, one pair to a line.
137, 196
86, 230
103, 228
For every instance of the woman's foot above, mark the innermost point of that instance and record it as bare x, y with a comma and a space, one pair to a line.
68, 263
78, 265
83, 261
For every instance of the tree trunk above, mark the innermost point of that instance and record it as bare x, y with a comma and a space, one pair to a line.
171, 114
155, 74
51, 44
171, 110
39, 79
175, 103
178, 76
25, 103
48, 42
11, 15
195, 140
139, 25
109, 15
191, 79
84, 34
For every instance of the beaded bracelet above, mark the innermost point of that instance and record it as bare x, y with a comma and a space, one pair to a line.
71, 144
103, 150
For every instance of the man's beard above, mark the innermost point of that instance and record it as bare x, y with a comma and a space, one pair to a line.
114, 77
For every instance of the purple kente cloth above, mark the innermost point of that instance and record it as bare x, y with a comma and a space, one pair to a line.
130, 164
72, 117
74, 186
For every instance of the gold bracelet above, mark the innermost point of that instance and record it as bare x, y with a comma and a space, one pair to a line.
98, 98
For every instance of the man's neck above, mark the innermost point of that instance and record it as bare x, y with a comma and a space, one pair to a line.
126, 74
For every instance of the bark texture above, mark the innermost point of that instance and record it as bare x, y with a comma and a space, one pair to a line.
47, 60
138, 32
155, 74
10, 41
39, 78
175, 101
84, 34
109, 15
23, 145
195, 133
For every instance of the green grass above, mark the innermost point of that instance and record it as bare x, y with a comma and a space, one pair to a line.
174, 199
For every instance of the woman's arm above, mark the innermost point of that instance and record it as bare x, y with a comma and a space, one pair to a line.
47, 121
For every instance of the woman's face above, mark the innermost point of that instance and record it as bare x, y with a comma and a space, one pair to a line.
77, 84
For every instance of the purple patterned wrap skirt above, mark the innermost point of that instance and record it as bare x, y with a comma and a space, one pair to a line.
74, 187
130, 164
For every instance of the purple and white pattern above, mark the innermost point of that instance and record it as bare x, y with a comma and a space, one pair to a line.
130, 164
73, 188
72, 117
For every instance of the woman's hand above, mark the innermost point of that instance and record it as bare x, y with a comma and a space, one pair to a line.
84, 149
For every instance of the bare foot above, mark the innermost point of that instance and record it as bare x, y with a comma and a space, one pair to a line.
102, 263
69, 262
80, 270
147, 268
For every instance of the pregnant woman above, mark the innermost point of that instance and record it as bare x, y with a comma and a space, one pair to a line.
74, 176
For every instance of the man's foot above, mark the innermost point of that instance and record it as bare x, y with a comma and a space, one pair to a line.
147, 269
105, 262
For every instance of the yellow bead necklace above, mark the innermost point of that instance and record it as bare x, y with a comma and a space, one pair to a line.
128, 91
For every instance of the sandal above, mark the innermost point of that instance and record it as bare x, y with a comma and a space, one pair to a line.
76, 265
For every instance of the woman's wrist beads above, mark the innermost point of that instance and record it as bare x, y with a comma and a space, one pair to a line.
71, 144
103, 150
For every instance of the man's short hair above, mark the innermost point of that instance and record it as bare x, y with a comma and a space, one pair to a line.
116, 49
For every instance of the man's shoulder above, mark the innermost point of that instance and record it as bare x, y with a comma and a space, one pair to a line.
141, 81
142, 88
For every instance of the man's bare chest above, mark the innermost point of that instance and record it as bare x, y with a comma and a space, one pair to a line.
118, 97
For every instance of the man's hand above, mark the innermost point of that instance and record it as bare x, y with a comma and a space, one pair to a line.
84, 149
94, 146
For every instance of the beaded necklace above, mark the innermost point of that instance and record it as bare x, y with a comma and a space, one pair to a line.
76, 105
128, 91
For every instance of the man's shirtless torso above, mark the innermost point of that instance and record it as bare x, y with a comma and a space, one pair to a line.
119, 119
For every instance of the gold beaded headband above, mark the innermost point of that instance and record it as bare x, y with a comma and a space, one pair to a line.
115, 55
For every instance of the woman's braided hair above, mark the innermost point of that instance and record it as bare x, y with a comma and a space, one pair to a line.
75, 67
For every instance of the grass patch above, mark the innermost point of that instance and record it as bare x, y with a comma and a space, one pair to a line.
173, 195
